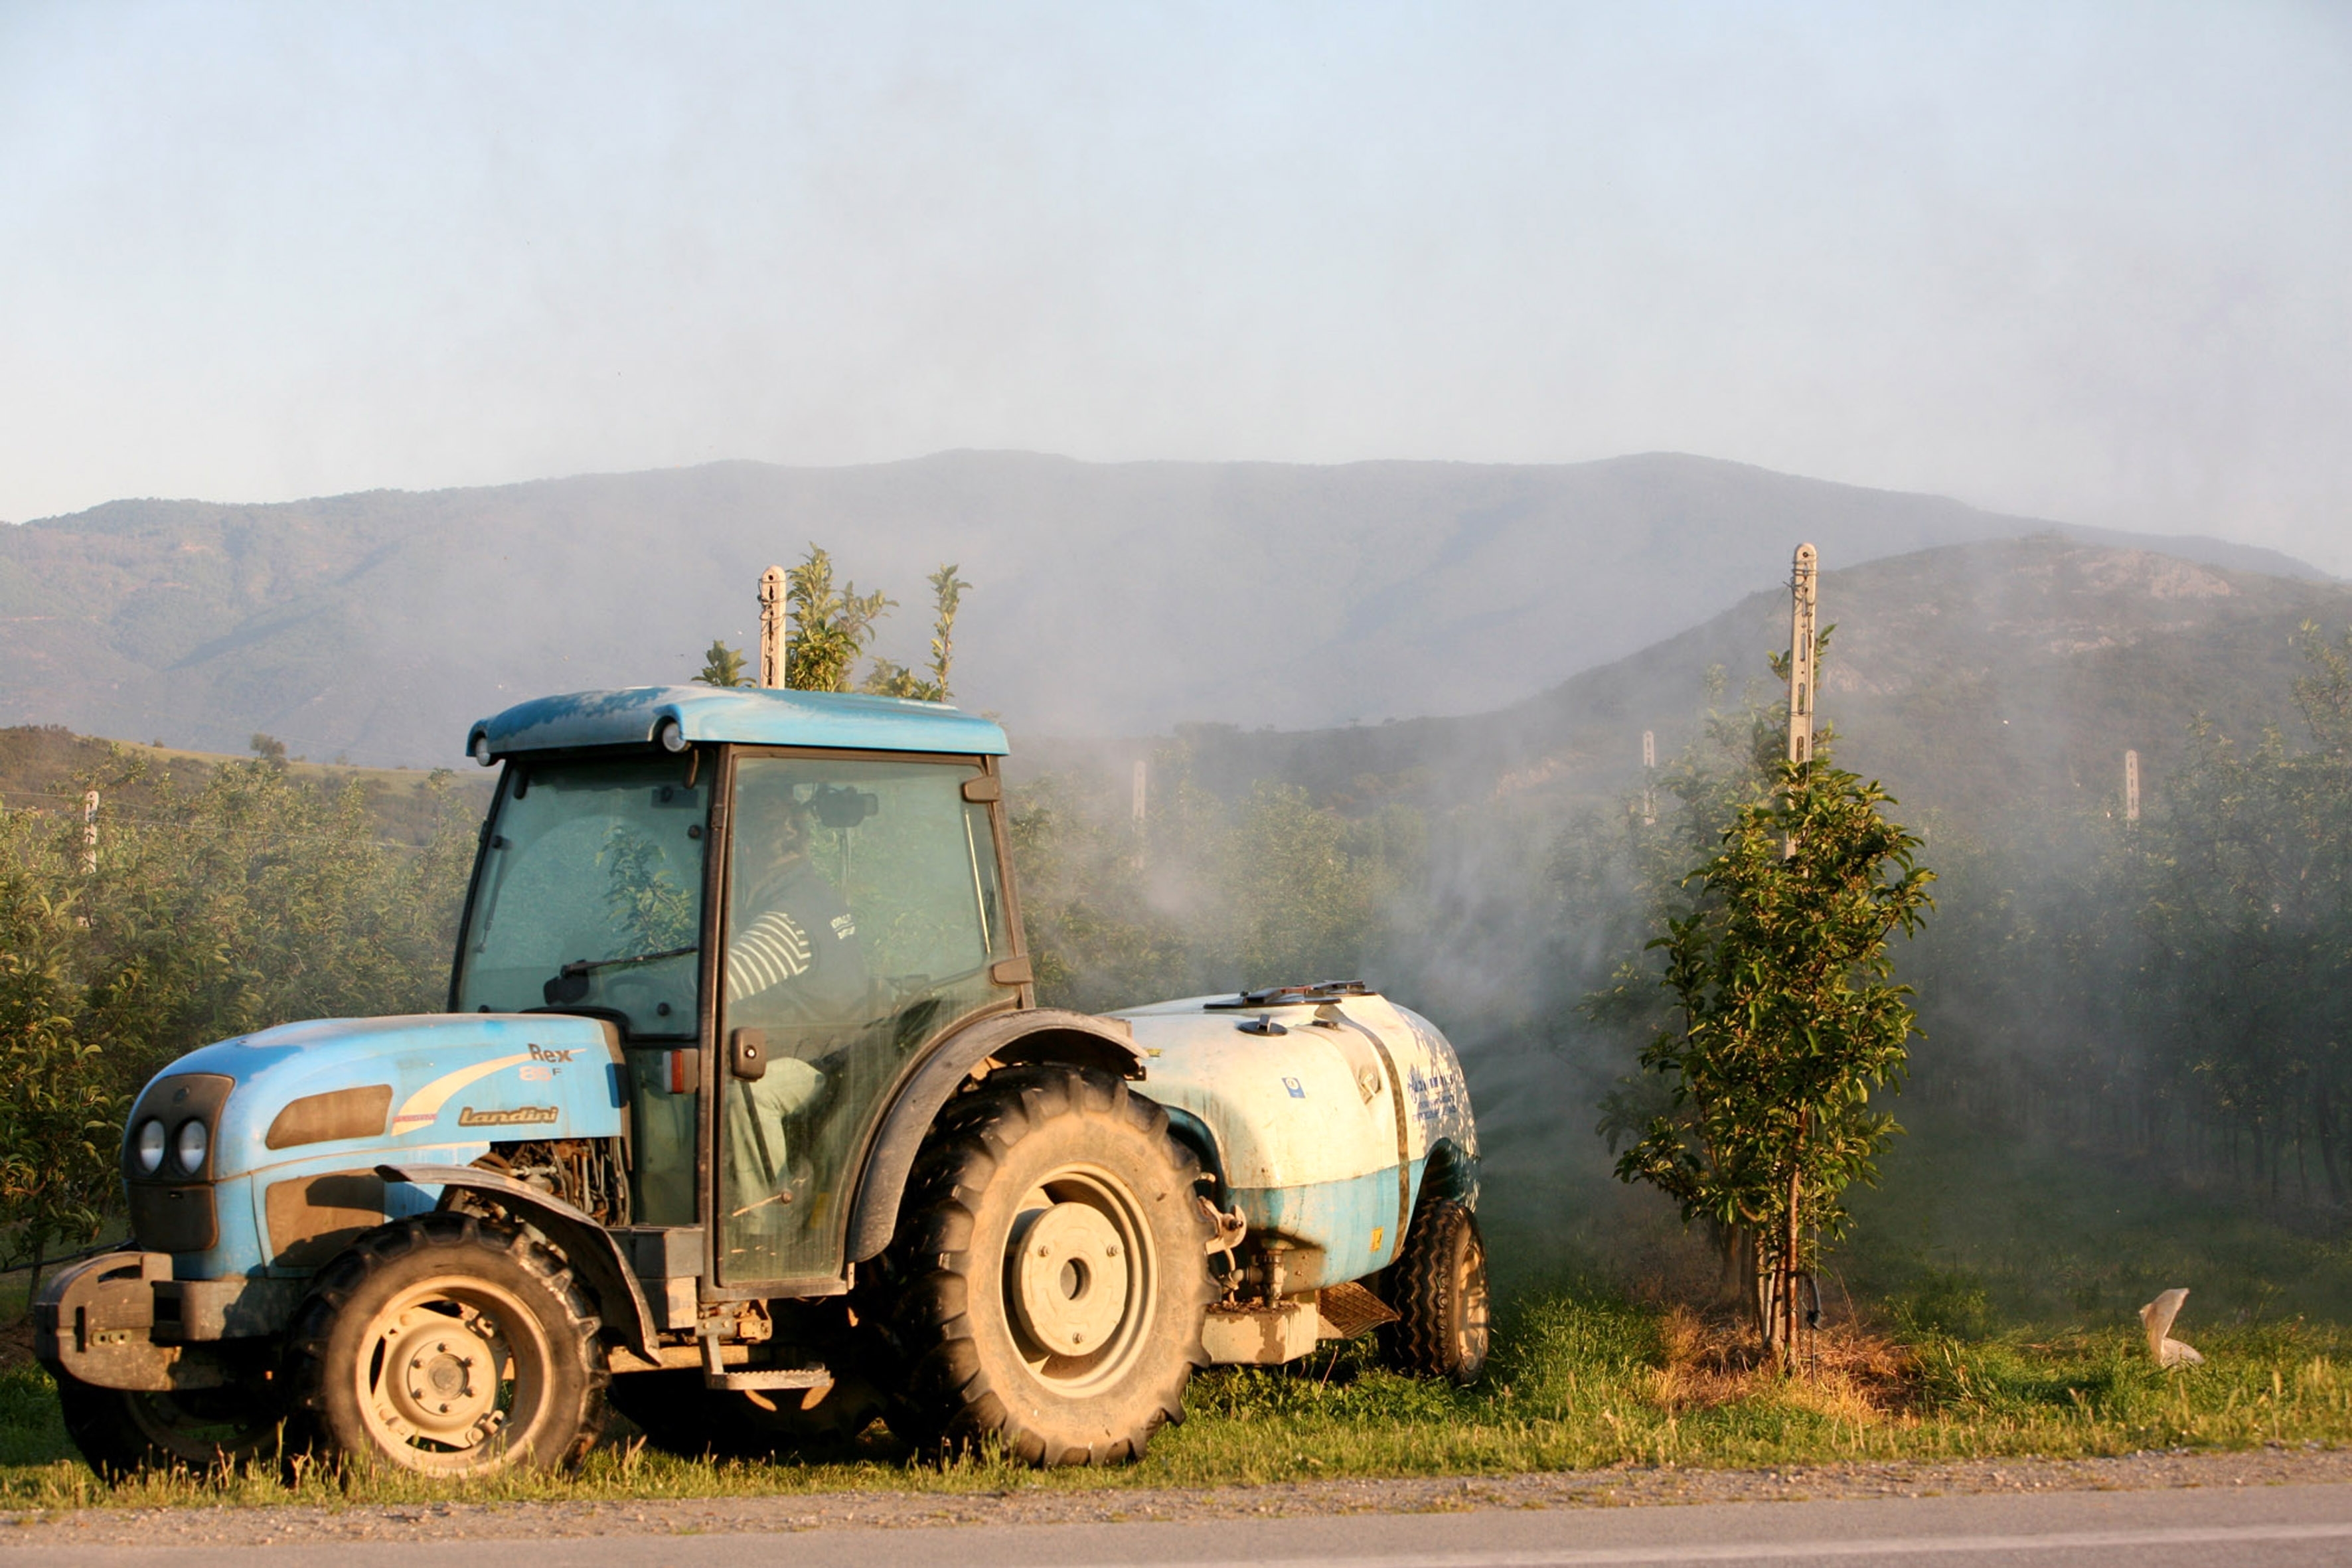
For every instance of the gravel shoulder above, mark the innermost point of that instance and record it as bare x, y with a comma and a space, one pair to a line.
1616, 1487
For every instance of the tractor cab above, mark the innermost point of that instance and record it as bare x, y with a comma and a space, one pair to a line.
786, 926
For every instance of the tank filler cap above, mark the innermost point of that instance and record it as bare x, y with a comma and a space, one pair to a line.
1322, 991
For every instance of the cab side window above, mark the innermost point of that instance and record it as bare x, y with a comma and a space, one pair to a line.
863, 912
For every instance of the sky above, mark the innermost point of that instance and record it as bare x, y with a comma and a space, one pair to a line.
2091, 262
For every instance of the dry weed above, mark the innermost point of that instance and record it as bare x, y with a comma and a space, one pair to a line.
1844, 1370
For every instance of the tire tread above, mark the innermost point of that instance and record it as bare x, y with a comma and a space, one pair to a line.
946, 1401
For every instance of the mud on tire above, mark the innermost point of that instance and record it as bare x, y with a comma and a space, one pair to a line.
449, 1346
1439, 1290
1046, 1287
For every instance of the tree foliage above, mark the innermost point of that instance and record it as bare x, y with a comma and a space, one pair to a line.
830, 626
892, 679
721, 666
62, 1114
2239, 937
1788, 1021
257, 898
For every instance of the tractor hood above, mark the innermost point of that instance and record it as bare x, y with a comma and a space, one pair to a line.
401, 1086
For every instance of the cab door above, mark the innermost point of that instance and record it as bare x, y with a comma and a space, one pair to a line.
863, 916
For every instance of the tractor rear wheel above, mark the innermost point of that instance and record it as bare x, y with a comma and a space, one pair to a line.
1048, 1282
448, 1346
122, 1431
1439, 1290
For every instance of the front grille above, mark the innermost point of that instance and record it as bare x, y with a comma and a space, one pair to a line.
173, 1219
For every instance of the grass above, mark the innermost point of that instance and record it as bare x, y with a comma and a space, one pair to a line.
1581, 1378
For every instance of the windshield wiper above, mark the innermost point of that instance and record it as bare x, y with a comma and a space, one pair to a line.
569, 984
591, 965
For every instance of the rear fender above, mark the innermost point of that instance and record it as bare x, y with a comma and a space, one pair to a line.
593, 1251
1032, 1035
1449, 1174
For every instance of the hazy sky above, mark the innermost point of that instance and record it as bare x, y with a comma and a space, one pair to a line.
2085, 261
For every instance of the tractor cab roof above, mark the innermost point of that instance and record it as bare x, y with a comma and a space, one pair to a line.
753, 716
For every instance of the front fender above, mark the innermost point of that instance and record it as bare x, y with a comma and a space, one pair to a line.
1034, 1034
594, 1251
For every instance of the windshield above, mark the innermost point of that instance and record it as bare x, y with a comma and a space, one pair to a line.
590, 894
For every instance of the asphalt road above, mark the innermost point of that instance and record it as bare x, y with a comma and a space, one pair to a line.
2263, 1527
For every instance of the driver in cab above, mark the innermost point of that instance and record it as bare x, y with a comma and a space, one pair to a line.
796, 969
796, 957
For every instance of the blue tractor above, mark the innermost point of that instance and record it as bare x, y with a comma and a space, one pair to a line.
744, 1120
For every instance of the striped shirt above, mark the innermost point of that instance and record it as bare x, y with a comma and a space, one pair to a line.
771, 951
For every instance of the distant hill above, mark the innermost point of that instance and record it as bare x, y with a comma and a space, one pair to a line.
1972, 679
1110, 599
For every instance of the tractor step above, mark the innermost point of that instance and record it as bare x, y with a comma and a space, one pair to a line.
753, 1379
772, 1377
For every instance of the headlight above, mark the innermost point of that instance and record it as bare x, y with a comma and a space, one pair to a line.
672, 735
147, 1146
190, 1146
481, 750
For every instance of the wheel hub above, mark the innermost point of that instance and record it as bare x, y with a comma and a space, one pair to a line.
442, 1375
1070, 1279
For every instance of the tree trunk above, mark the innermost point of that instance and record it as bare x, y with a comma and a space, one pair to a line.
1753, 1290
2323, 1119
1788, 1302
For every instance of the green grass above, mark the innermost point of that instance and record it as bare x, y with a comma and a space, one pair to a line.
1580, 1379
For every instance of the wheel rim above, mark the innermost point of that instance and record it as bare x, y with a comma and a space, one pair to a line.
1471, 1288
452, 1376
1081, 1279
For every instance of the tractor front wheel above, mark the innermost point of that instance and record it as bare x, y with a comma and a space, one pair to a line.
1046, 1287
451, 1347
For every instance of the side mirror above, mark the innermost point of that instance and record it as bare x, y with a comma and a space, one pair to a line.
747, 1053
843, 807
564, 990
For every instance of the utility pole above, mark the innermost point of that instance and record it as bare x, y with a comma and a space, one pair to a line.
1649, 773
1142, 782
771, 627
2131, 786
1801, 639
1801, 607
90, 833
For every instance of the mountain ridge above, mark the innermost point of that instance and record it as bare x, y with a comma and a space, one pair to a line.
1971, 679
1111, 597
